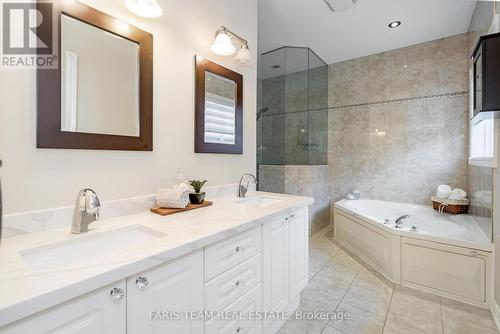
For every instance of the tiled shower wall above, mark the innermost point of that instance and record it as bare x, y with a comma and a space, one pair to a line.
293, 129
400, 150
304, 181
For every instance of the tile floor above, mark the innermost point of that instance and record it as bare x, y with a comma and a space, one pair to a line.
341, 282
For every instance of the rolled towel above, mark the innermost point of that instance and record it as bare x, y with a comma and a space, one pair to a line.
457, 193
172, 198
443, 191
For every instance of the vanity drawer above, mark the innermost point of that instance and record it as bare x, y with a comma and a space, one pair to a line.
249, 302
231, 285
230, 252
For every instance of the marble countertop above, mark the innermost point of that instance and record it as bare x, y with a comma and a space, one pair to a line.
24, 291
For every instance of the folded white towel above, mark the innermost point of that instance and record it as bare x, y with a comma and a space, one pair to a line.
457, 193
443, 191
172, 198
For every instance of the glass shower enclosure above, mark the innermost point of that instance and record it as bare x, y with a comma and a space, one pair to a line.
292, 114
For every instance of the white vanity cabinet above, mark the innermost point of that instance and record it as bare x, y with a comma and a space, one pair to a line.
102, 311
286, 264
261, 269
176, 286
299, 251
276, 264
233, 274
249, 302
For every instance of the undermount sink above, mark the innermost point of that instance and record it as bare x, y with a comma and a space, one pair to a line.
259, 201
83, 249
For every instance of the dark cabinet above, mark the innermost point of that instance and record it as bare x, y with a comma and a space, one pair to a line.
485, 80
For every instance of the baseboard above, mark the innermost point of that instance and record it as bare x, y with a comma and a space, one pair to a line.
495, 312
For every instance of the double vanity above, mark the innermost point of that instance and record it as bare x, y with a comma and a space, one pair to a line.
219, 269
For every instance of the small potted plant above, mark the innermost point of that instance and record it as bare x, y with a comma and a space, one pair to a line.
197, 197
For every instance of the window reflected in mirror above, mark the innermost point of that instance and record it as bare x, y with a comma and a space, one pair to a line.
220, 110
99, 80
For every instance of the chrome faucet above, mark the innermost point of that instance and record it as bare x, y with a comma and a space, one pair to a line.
87, 210
243, 189
400, 220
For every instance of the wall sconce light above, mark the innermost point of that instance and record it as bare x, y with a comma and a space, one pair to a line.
145, 8
223, 46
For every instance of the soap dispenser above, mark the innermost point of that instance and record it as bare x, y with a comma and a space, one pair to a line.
180, 181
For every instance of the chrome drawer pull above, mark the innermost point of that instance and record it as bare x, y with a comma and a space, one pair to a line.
473, 252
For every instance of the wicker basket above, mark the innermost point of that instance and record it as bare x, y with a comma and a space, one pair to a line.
454, 207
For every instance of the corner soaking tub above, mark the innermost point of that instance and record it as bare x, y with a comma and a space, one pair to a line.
438, 253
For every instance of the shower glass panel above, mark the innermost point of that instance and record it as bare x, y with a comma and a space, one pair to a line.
292, 117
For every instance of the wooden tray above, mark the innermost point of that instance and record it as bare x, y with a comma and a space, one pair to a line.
166, 212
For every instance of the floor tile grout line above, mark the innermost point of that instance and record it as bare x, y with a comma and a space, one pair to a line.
345, 293
389, 308
341, 299
316, 274
351, 283
326, 324
441, 312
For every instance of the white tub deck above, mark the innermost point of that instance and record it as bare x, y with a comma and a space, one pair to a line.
439, 253
460, 230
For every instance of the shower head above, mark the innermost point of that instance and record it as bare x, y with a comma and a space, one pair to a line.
261, 111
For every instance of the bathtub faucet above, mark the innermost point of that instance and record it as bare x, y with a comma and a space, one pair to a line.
400, 220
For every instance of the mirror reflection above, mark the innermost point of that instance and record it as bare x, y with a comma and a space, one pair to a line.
99, 81
220, 109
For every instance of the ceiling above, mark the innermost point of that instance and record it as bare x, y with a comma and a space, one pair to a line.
361, 30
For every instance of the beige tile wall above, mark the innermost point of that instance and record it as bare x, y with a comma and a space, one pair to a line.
400, 151
300, 180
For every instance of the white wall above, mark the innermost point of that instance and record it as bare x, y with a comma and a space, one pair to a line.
35, 179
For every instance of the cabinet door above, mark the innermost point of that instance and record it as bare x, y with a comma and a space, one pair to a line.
96, 312
299, 251
478, 83
158, 296
276, 259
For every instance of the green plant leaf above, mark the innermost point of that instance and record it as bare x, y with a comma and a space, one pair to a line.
197, 185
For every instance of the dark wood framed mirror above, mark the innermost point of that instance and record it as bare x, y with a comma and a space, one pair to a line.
218, 109
101, 94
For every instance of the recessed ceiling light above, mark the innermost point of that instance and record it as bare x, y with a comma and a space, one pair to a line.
394, 24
